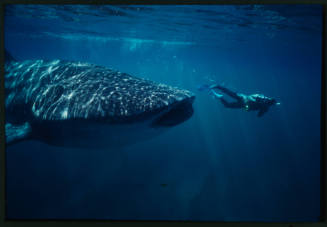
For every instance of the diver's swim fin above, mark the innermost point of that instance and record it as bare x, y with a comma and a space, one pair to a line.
216, 95
209, 88
16, 133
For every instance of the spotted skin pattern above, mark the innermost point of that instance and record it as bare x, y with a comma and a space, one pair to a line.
64, 90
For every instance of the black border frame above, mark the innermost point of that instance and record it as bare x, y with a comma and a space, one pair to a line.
50, 223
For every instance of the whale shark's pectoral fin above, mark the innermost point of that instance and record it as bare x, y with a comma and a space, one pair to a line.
16, 133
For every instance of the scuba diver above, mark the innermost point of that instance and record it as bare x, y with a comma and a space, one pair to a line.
252, 102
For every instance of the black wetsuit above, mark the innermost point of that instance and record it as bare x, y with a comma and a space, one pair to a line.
252, 102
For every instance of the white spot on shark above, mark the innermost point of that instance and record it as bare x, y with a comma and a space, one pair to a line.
64, 114
70, 95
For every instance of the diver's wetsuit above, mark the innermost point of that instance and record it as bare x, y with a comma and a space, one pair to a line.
248, 102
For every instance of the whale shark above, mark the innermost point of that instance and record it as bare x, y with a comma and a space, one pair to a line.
83, 105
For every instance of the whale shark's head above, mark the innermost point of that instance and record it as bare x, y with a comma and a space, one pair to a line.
77, 104
157, 105
153, 105
175, 113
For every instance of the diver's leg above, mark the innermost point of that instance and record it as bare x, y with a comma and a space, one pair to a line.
230, 104
227, 91
215, 94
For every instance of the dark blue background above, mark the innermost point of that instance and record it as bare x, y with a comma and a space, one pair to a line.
222, 164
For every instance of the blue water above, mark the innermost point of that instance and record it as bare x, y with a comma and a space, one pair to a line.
220, 165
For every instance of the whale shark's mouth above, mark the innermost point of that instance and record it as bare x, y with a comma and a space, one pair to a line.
176, 114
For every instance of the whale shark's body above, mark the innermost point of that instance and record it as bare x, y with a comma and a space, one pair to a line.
74, 104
